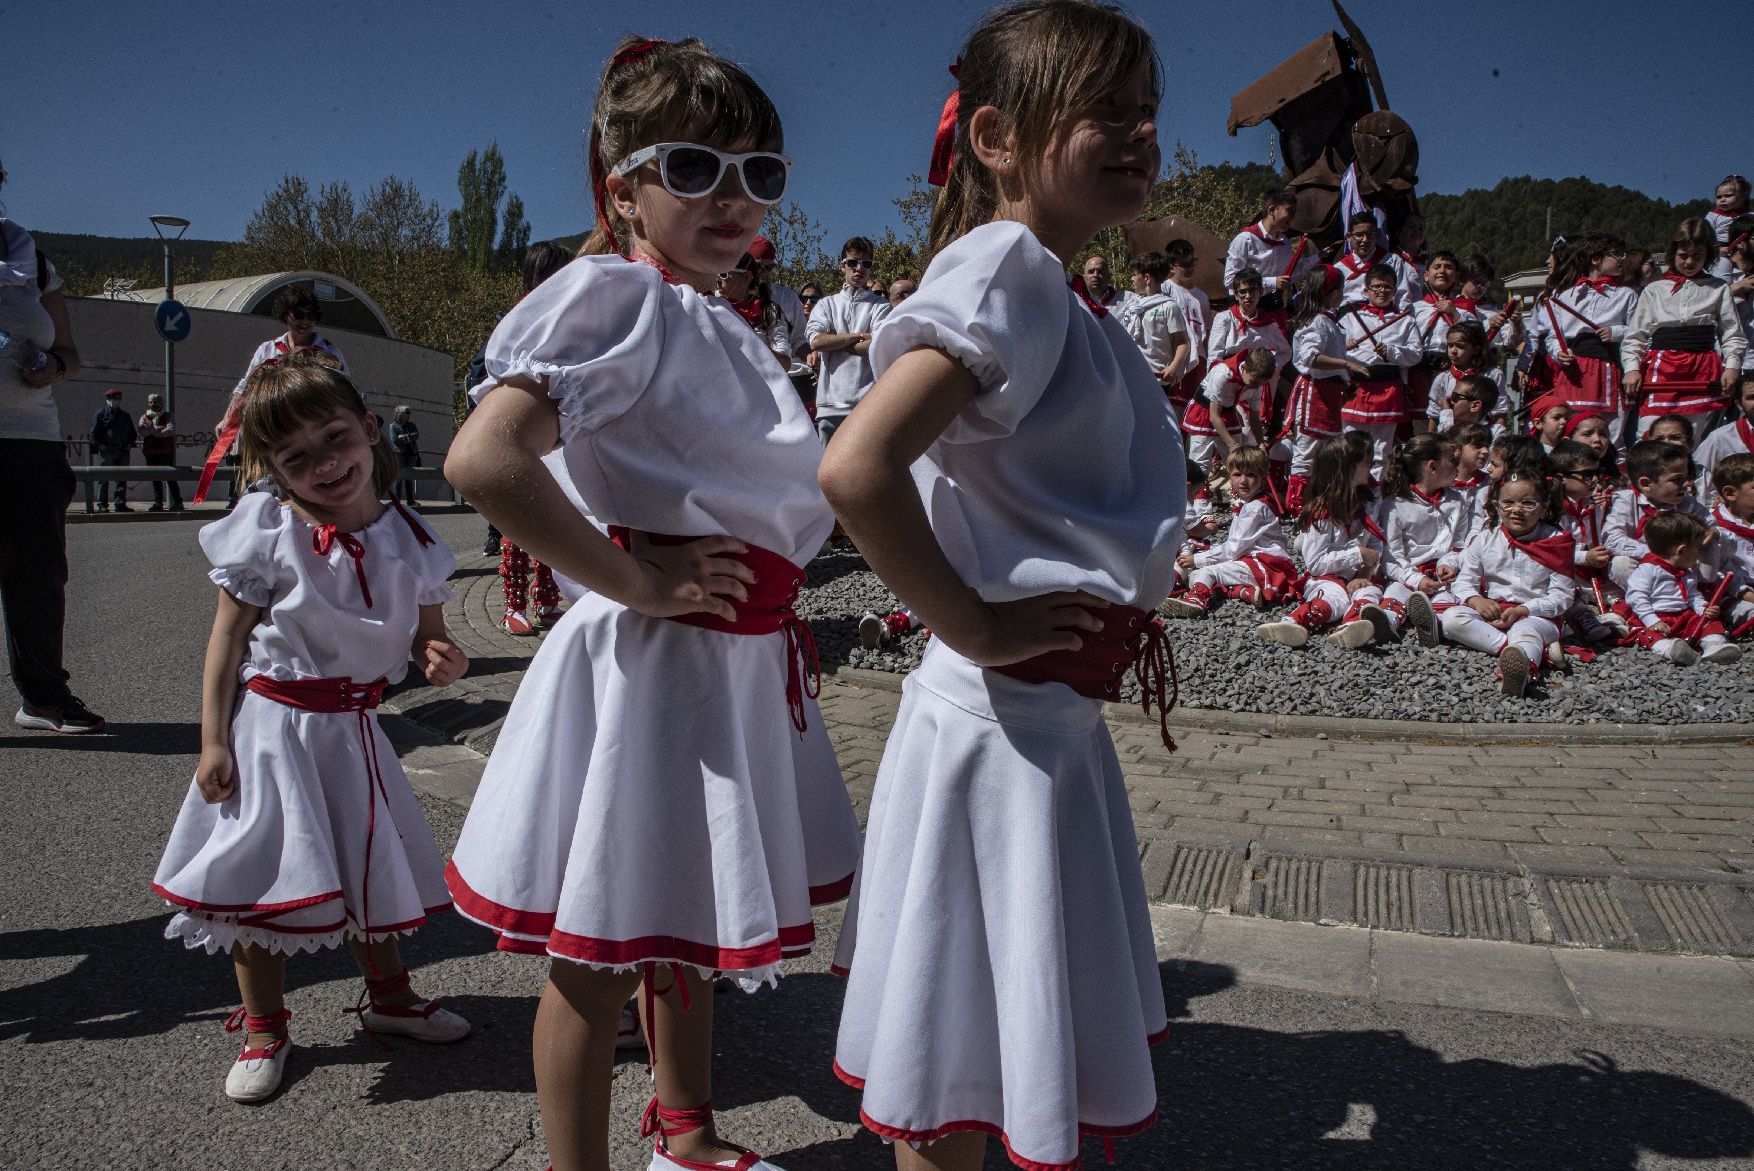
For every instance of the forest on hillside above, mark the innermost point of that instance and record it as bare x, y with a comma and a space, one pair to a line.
1511, 224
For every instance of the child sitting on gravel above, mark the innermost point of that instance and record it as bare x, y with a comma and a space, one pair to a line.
1735, 436
1471, 402
1425, 527
1733, 551
1676, 621
1473, 442
1342, 548
1253, 563
1584, 512
1659, 473
1517, 578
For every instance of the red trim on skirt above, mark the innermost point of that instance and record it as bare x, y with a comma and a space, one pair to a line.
1681, 382
244, 908
544, 938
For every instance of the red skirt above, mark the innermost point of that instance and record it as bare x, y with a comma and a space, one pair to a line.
1376, 401
1593, 384
1197, 420
1682, 382
1315, 405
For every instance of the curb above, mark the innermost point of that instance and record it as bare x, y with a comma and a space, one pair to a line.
1220, 722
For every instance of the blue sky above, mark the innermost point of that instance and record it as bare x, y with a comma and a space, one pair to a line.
121, 109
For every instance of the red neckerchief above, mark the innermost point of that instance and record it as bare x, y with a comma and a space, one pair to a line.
1745, 432
1556, 552
749, 309
1469, 305
1457, 373
638, 257
1676, 280
1645, 512
1435, 500
1415, 261
1371, 527
1354, 265
1260, 233
1473, 481
1600, 284
1386, 315
1674, 571
1083, 291
1589, 519
1251, 322
1733, 525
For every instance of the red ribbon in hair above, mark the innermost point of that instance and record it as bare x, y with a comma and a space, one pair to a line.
1331, 280
944, 142
599, 177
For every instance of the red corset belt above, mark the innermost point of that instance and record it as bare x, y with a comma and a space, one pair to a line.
769, 609
1128, 638
332, 696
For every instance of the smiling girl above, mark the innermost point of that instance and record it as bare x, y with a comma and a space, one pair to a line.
300, 831
1002, 975
663, 800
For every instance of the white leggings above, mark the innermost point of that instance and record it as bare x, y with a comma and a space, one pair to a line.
1303, 452
1223, 574
1335, 595
1464, 625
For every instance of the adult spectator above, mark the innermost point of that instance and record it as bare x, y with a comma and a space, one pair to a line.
901, 288
794, 314
300, 311
405, 439
1266, 247
158, 447
112, 445
1100, 286
753, 300
36, 483
840, 332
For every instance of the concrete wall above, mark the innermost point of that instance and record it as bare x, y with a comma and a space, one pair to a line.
120, 348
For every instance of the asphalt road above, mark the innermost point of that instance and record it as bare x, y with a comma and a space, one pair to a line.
112, 1054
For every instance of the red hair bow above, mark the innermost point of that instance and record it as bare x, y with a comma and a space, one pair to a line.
944, 143
627, 55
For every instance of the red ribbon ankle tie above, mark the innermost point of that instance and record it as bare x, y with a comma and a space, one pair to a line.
662, 1122
944, 142
769, 608
1129, 638
332, 696
273, 1023
388, 986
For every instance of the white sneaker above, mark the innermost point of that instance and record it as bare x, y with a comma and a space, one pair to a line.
1556, 658
1615, 623
1180, 608
255, 1075
425, 1021
628, 1034
1720, 651
1677, 652
1283, 633
1355, 634
1422, 620
663, 1160
870, 630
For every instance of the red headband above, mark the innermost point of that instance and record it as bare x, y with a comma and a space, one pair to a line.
944, 142
1330, 280
599, 178
1571, 426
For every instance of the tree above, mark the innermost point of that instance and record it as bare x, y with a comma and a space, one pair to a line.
798, 241
514, 236
481, 181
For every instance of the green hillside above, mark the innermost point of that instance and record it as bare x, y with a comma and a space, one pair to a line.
86, 260
1509, 223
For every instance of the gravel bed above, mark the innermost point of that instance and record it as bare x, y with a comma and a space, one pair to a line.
1223, 664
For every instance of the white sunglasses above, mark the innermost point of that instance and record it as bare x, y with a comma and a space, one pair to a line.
690, 170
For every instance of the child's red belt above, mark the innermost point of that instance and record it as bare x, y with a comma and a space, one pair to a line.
1129, 638
331, 696
769, 608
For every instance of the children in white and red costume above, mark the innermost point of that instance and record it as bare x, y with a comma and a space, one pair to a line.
1684, 332
1316, 397
606, 831
1279, 259
1733, 438
1233, 332
1534, 573
1333, 556
1382, 339
1002, 974
1732, 556
1224, 394
1623, 531
1423, 534
1252, 563
323, 840
1660, 591
1585, 369
1354, 269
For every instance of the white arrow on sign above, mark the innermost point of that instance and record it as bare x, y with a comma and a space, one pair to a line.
175, 323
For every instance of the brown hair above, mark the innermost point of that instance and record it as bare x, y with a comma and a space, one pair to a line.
1036, 62
1402, 470
1694, 234
656, 91
1733, 471
1547, 491
1331, 495
1247, 459
1260, 363
284, 394
1667, 532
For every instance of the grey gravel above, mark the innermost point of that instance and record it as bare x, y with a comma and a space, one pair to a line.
1222, 664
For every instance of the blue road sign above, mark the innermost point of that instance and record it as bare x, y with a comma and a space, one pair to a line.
172, 320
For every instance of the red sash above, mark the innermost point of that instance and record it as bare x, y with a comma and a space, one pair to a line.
1129, 638
769, 609
1556, 552
1745, 432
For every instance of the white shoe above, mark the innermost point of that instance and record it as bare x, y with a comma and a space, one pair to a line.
425, 1021
1615, 623
1556, 658
628, 1034
1721, 652
1513, 672
1422, 620
255, 1075
1355, 634
870, 630
1180, 608
1283, 633
663, 1160
1677, 652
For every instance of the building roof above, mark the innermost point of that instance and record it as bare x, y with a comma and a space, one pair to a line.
345, 304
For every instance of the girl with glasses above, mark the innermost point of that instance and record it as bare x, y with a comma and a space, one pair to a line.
622, 842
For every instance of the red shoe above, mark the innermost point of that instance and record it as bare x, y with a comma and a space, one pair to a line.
516, 622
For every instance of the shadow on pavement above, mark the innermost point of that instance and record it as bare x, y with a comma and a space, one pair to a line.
1247, 1098
176, 739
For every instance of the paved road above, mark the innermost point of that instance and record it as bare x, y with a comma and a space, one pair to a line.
111, 1053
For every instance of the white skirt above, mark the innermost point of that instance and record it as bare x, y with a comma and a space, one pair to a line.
283, 863
1002, 975
649, 800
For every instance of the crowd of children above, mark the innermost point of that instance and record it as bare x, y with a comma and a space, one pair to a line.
1001, 972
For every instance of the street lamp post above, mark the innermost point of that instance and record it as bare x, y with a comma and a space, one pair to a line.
178, 225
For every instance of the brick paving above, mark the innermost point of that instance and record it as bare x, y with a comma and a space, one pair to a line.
1571, 809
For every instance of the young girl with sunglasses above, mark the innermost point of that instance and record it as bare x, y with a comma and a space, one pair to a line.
300, 831
1003, 979
663, 801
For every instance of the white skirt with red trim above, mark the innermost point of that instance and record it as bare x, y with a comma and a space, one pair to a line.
1002, 975
283, 863
649, 799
